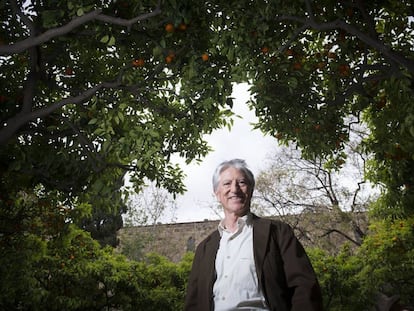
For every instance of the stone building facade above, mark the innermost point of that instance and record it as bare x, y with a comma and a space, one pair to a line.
325, 230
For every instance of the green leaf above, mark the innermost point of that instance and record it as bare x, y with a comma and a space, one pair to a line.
157, 51
50, 18
380, 26
111, 41
163, 44
105, 39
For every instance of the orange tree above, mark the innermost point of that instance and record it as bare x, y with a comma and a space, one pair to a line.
91, 91
318, 68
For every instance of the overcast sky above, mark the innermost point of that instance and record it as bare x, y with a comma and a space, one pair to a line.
241, 142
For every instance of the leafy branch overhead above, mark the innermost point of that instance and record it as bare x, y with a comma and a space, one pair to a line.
112, 84
123, 86
320, 71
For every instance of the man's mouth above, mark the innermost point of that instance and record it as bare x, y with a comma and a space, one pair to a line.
236, 198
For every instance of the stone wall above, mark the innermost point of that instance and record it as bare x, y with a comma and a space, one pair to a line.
325, 230
170, 240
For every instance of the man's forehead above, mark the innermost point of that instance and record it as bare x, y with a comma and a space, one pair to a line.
232, 173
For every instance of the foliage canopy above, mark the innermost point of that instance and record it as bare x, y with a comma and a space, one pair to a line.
91, 90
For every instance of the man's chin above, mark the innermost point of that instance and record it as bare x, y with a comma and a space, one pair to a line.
240, 210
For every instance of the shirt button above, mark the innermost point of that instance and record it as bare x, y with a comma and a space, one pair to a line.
228, 257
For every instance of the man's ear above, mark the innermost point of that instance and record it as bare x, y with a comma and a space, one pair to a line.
216, 195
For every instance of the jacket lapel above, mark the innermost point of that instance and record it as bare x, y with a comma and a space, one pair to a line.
261, 232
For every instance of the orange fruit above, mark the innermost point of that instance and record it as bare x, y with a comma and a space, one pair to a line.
265, 50
297, 66
169, 28
205, 57
344, 70
139, 62
68, 71
331, 55
169, 59
289, 52
182, 27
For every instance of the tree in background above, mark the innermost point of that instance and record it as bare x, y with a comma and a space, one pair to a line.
374, 275
297, 190
149, 206
374, 256
77, 114
146, 209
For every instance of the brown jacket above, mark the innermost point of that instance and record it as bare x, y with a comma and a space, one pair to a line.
284, 271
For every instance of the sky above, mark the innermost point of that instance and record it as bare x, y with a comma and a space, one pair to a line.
241, 142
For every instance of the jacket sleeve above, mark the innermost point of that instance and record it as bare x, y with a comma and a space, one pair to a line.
200, 282
191, 299
300, 276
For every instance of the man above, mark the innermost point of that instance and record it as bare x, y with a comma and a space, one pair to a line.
249, 263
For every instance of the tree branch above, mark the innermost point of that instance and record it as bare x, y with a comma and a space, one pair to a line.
340, 233
74, 23
310, 23
46, 36
128, 22
23, 117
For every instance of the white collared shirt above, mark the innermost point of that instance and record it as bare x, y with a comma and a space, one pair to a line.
236, 286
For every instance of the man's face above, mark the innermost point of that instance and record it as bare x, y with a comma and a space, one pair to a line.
234, 192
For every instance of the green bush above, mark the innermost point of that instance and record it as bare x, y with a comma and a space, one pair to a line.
48, 263
351, 280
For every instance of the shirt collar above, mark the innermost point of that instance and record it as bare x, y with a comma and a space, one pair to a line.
241, 222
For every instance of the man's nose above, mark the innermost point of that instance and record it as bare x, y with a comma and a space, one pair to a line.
235, 187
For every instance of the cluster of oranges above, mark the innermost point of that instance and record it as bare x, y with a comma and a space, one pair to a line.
140, 62
171, 28
170, 57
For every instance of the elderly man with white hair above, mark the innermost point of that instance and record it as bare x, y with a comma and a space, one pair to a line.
249, 263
